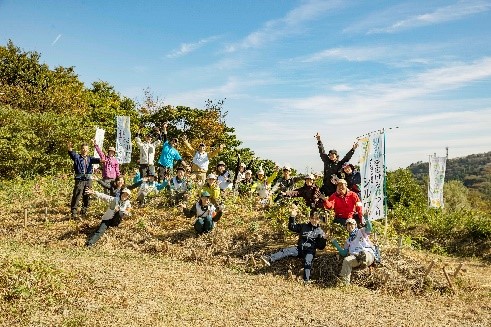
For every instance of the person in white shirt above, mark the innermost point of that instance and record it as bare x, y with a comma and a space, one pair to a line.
201, 159
119, 207
147, 152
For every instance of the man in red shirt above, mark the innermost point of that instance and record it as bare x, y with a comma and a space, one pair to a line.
346, 204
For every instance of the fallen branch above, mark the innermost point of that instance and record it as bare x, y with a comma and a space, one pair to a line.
448, 279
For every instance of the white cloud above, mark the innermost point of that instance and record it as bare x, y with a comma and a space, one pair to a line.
187, 48
56, 40
290, 24
452, 12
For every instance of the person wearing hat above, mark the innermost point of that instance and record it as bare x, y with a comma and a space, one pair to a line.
262, 185
245, 185
147, 152
168, 157
332, 165
110, 164
83, 166
211, 187
346, 204
311, 238
119, 207
352, 177
358, 250
285, 182
179, 186
147, 186
201, 159
224, 176
206, 214
309, 192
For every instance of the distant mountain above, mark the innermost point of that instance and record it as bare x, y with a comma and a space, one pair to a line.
473, 170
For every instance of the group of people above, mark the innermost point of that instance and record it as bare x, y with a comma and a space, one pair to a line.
340, 191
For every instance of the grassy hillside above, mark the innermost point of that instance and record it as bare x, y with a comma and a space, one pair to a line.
153, 270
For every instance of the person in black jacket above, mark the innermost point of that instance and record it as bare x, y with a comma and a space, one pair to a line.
331, 166
311, 238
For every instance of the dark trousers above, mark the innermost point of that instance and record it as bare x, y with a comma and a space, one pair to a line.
307, 256
79, 192
164, 173
203, 225
105, 224
328, 188
145, 170
108, 181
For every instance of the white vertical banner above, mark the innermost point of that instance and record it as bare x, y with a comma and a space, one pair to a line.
123, 139
99, 140
437, 179
372, 170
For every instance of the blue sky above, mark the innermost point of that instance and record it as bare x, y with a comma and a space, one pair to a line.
287, 69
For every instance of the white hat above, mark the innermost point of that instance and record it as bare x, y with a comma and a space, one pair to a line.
260, 171
127, 191
342, 181
310, 176
350, 221
248, 172
211, 176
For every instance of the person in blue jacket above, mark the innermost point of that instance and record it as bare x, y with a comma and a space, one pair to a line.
310, 239
83, 169
168, 157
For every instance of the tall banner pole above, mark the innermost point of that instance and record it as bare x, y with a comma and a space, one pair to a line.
385, 189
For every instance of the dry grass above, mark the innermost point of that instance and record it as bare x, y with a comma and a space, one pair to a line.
153, 270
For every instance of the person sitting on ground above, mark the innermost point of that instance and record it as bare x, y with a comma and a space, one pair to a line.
311, 238
169, 156
205, 213
110, 164
83, 169
346, 204
352, 177
179, 186
331, 165
285, 182
119, 208
201, 159
147, 186
245, 185
262, 185
212, 188
358, 250
147, 151
309, 192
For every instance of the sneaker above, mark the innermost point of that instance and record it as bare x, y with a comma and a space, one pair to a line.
265, 260
74, 215
307, 282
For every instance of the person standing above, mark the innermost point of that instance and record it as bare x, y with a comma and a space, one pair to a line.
332, 165
147, 152
83, 169
201, 159
110, 164
168, 157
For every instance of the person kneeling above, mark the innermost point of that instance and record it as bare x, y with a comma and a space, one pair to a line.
358, 249
205, 212
311, 238
119, 207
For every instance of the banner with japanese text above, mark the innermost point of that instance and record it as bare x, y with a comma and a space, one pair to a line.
99, 140
123, 139
437, 168
372, 170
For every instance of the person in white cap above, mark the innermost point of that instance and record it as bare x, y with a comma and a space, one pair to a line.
309, 192
212, 188
262, 185
205, 213
110, 164
358, 250
224, 176
119, 207
346, 204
